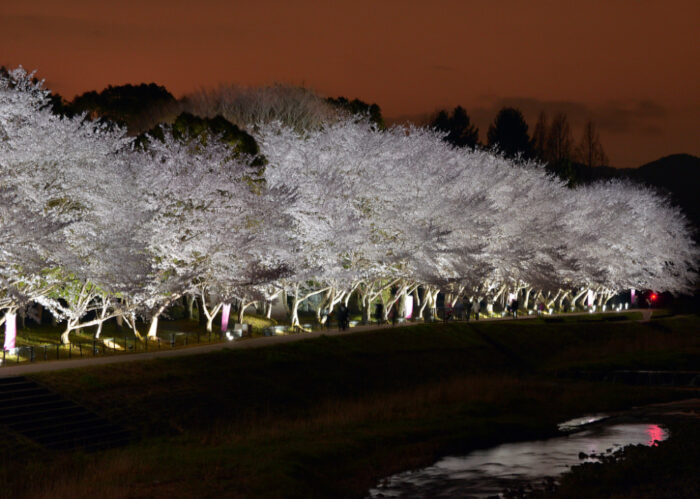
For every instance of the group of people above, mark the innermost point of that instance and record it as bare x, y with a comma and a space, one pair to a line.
471, 308
463, 309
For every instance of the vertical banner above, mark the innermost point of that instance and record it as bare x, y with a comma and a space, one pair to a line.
10, 330
225, 312
408, 306
590, 299
633, 298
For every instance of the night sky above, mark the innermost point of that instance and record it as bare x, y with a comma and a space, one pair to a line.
631, 66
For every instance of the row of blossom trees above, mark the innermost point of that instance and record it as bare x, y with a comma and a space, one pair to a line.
94, 227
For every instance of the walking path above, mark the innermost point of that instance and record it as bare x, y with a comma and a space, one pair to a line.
20, 370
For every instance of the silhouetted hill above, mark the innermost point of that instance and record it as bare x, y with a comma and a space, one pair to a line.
677, 176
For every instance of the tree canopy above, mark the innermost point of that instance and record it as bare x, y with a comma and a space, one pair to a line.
188, 126
508, 134
356, 107
460, 131
95, 227
127, 105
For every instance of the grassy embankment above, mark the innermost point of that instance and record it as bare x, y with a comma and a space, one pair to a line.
118, 340
328, 417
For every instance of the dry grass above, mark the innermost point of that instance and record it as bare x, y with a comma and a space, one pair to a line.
328, 417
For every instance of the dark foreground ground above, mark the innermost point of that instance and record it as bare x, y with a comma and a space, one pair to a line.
329, 417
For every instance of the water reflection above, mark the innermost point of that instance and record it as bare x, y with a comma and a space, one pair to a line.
488, 472
656, 435
576, 423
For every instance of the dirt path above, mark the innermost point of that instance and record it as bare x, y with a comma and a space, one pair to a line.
646, 314
22, 369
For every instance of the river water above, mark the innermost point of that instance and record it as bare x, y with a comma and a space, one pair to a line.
488, 472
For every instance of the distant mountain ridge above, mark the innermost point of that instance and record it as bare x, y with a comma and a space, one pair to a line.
677, 175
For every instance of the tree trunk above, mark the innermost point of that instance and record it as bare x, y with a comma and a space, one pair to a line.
325, 301
201, 313
561, 300
285, 302
492, 301
550, 303
241, 311
103, 312
424, 302
131, 322
295, 308
387, 310
268, 309
366, 312
189, 306
65, 336
433, 301
153, 329
39, 312
576, 297
527, 297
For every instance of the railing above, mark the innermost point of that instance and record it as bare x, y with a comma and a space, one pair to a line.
101, 347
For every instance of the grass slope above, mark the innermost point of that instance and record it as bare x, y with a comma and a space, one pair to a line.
329, 417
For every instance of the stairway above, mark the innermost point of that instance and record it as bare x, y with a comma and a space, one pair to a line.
52, 421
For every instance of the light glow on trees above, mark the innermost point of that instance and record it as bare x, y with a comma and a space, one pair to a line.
93, 226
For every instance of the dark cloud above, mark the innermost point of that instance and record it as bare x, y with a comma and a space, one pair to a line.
629, 116
616, 117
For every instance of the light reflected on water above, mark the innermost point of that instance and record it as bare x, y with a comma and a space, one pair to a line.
489, 472
656, 435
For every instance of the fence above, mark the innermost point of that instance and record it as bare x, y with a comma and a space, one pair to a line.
101, 347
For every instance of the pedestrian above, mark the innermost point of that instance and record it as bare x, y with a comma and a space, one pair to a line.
468, 309
342, 317
459, 309
379, 313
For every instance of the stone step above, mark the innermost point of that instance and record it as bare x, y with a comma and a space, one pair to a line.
52, 421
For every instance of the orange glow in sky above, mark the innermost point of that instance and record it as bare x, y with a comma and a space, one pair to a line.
631, 66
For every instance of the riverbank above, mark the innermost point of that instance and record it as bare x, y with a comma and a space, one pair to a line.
669, 470
40, 356
332, 415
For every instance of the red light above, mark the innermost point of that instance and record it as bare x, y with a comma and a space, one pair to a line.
653, 296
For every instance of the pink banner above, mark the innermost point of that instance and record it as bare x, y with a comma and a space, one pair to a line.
10, 331
225, 312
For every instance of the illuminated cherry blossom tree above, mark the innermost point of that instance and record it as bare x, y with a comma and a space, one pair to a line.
93, 224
